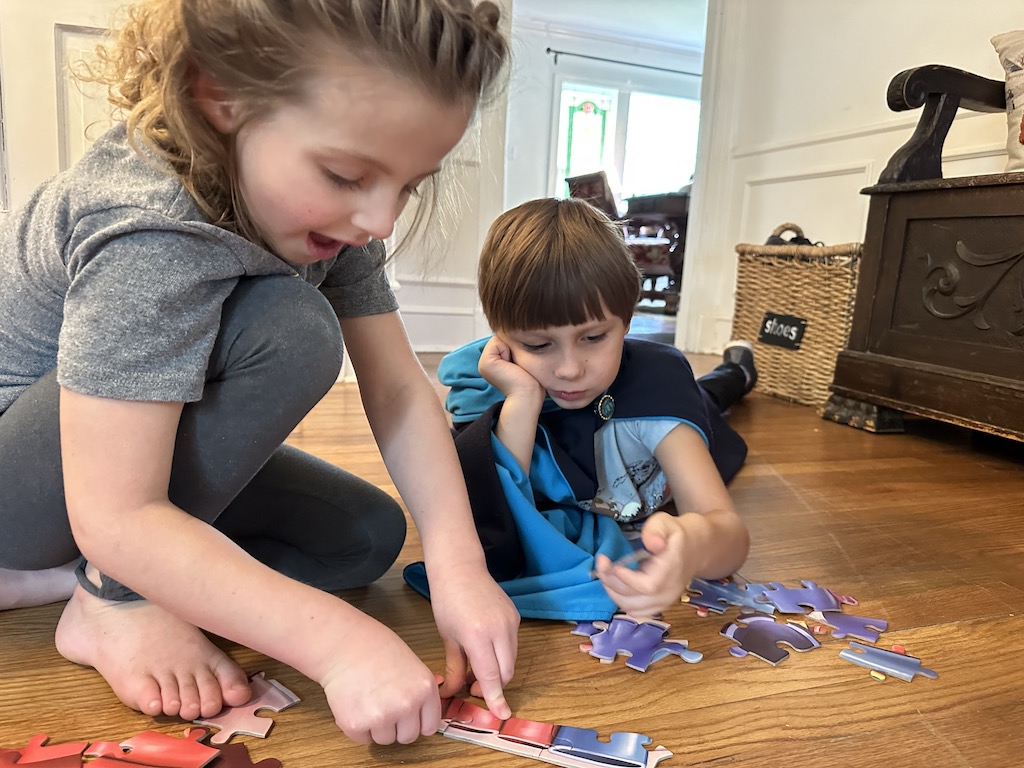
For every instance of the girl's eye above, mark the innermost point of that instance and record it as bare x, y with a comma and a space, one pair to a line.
341, 181
412, 191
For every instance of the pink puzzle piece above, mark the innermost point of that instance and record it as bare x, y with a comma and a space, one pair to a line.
266, 694
154, 749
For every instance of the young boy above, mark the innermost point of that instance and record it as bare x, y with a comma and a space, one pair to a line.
575, 439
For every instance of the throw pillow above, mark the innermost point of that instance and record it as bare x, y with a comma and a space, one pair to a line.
1010, 47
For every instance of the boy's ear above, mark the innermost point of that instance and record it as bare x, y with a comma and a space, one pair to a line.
215, 104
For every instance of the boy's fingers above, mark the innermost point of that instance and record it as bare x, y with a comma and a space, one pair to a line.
489, 682
454, 670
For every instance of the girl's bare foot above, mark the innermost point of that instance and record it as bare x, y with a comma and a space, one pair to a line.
23, 589
154, 662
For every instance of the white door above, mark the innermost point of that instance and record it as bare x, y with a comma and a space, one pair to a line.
47, 119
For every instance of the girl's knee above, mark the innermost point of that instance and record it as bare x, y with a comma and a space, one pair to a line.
282, 322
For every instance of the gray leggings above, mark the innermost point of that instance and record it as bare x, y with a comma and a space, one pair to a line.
277, 354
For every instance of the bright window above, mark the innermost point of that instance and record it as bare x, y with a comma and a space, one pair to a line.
661, 144
646, 140
586, 132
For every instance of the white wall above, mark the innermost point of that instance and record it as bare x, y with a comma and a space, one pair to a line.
794, 123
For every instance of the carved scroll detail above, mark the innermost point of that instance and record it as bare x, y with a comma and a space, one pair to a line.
942, 280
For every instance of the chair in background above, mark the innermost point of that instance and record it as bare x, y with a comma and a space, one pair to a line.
655, 237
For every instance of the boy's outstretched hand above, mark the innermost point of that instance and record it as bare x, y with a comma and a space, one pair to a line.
661, 579
479, 626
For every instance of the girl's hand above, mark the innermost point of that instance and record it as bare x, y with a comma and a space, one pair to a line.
661, 579
497, 368
479, 626
379, 690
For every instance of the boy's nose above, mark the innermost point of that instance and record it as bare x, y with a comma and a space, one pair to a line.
569, 367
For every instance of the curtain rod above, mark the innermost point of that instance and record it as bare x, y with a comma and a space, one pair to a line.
556, 54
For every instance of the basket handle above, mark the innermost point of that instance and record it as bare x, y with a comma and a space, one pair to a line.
787, 226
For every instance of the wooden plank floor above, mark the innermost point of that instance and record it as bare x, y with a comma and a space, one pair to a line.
924, 528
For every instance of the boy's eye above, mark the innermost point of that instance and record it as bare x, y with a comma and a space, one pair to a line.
596, 338
534, 347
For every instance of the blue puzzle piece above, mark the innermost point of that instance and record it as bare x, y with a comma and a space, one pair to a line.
790, 600
622, 749
887, 662
861, 627
589, 628
760, 636
644, 643
717, 595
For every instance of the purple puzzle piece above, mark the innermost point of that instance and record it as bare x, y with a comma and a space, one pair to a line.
861, 627
717, 595
622, 749
643, 642
797, 600
760, 635
588, 628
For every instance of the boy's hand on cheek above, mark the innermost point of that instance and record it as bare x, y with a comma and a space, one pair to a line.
497, 368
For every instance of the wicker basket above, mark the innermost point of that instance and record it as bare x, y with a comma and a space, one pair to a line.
812, 284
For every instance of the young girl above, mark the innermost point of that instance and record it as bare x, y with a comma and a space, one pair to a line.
162, 333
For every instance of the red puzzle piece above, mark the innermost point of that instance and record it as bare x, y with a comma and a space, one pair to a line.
237, 756
54, 756
154, 750
469, 717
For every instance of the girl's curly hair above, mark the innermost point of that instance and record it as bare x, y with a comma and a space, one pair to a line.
262, 53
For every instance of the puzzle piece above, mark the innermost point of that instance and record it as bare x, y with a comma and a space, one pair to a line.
887, 662
530, 732
266, 694
760, 636
718, 595
797, 600
588, 628
157, 750
642, 642
49, 756
467, 716
861, 627
625, 749
556, 744
237, 756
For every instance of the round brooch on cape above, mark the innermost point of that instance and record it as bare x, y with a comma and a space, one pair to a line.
605, 406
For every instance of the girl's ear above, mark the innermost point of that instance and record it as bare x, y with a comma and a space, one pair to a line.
214, 103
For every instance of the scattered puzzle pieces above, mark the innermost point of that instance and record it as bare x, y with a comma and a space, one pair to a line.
886, 662
146, 750
266, 694
760, 636
643, 643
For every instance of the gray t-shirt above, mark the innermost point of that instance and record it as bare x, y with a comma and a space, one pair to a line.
113, 274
